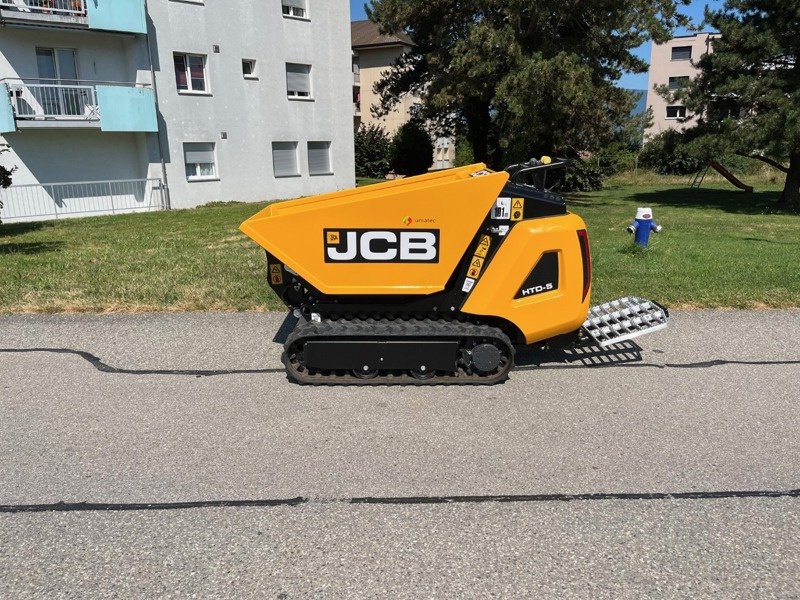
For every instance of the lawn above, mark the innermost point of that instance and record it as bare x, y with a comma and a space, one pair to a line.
719, 248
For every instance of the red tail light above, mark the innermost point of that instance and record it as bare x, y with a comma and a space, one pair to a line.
583, 238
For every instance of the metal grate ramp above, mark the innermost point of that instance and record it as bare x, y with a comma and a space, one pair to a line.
624, 319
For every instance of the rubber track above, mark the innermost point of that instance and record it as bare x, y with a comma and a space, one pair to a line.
383, 329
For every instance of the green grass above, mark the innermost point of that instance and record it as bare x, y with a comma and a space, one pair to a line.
362, 181
719, 248
177, 260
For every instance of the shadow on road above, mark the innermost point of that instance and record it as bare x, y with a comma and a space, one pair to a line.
587, 356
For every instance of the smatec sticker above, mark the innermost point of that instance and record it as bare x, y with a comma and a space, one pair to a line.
381, 245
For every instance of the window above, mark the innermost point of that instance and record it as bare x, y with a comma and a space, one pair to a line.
295, 8
190, 73
200, 160
676, 112
677, 83
724, 108
682, 53
298, 80
284, 159
57, 67
319, 158
249, 68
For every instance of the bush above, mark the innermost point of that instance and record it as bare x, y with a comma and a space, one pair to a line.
582, 176
411, 150
666, 154
464, 154
372, 152
615, 158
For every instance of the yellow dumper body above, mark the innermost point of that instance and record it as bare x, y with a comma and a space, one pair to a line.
429, 279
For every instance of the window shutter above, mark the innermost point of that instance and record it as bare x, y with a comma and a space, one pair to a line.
295, 3
284, 159
297, 78
196, 152
319, 158
681, 52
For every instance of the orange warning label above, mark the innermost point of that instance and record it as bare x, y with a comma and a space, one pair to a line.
276, 274
517, 209
475, 267
483, 246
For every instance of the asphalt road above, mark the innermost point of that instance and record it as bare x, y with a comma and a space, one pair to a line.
666, 470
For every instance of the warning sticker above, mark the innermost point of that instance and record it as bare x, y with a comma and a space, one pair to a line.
517, 209
333, 237
275, 274
475, 267
483, 246
502, 209
468, 285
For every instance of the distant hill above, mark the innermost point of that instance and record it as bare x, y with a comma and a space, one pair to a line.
641, 105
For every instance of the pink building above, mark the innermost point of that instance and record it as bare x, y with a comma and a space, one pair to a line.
673, 64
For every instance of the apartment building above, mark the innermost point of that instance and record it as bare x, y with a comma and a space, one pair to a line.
672, 65
121, 105
374, 53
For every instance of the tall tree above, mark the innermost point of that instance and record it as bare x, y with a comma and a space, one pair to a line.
520, 77
5, 173
748, 90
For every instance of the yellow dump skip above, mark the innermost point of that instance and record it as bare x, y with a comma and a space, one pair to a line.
449, 205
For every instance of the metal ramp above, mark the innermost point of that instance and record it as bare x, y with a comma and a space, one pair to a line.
624, 319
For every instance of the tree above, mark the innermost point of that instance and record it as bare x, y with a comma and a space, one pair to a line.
5, 175
372, 151
747, 95
412, 149
521, 78
665, 153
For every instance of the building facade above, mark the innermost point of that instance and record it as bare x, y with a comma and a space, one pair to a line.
672, 65
374, 54
119, 105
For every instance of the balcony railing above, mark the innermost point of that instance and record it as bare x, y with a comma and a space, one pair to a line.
71, 8
59, 200
53, 99
56, 99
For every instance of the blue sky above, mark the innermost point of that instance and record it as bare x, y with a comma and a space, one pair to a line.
695, 10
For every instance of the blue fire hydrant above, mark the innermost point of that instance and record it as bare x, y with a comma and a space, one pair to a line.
643, 225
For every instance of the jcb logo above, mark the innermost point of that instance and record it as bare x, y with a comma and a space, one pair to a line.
381, 245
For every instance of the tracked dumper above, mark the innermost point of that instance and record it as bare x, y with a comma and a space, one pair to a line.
434, 279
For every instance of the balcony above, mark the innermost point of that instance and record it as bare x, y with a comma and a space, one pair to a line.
102, 15
46, 11
49, 103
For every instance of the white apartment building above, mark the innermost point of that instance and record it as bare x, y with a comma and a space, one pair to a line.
672, 65
127, 105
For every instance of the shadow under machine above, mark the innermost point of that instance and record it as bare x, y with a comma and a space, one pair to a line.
435, 279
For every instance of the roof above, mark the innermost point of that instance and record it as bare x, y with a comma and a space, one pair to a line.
364, 34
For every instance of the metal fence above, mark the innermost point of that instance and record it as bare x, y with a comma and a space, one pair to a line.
60, 200
46, 7
43, 98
